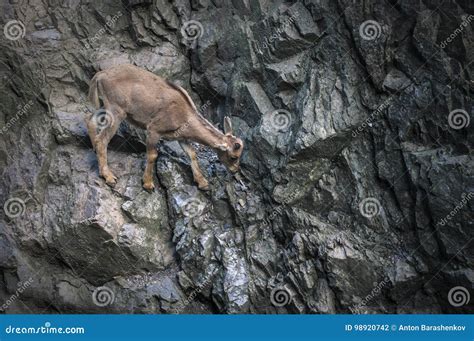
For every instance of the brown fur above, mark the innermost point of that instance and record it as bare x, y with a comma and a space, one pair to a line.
164, 109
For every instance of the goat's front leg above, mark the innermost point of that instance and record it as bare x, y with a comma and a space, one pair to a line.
197, 173
151, 155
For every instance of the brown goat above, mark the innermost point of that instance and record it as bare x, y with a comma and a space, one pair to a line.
164, 109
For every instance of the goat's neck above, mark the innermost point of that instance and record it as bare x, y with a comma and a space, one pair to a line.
205, 133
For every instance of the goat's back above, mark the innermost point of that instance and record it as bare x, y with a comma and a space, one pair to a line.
143, 95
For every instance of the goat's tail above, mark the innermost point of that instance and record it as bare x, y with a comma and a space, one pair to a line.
95, 101
94, 92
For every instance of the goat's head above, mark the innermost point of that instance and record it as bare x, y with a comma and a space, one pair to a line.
230, 151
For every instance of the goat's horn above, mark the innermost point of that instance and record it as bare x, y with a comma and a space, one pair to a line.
227, 125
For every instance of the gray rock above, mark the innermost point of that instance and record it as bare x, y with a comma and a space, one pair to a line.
396, 80
337, 102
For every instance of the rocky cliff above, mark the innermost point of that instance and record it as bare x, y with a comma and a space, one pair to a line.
357, 176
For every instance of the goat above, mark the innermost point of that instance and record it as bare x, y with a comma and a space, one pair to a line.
164, 109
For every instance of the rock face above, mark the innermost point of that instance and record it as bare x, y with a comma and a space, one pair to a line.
357, 177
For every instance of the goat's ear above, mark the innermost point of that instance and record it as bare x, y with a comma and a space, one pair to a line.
227, 125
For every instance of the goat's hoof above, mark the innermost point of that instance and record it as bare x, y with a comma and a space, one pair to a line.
148, 186
110, 180
204, 187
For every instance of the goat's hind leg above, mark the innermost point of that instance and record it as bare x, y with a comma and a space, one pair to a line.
197, 173
91, 128
108, 123
151, 156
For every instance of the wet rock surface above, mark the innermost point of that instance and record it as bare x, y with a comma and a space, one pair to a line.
357, 177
